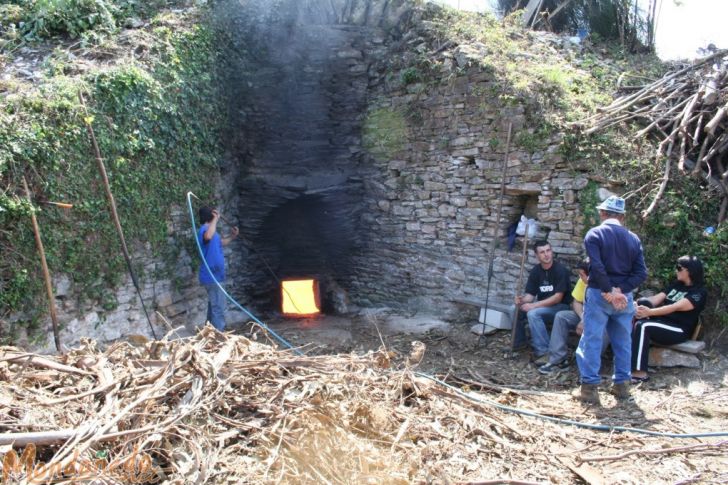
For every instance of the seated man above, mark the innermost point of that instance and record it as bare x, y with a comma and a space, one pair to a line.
669, 317
546, 295
565, 322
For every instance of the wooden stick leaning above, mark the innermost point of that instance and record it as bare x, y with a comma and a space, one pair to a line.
497, 228
46, 273
514, 324
112, 207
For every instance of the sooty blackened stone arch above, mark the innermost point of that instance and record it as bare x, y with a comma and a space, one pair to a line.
298, 97
307, 236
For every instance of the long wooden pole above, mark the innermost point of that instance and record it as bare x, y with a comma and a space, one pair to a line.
494, 242
114, 214
46, 273
514, 324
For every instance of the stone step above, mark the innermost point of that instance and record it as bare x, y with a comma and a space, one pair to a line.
667, 357
689, 346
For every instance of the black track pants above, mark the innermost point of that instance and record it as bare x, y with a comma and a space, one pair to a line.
646, 331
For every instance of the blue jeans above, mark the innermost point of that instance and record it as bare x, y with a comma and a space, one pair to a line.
598, 315
537, 319
565, 322
215, 306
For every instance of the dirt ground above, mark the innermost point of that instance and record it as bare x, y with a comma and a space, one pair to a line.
675, 400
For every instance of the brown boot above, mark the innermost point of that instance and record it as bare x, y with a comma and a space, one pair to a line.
587, 393
621, 391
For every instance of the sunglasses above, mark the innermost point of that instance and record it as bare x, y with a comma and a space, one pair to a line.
679, 268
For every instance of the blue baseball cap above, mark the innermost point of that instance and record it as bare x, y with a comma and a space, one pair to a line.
612, 204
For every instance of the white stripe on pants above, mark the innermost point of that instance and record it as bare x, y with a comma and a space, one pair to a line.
644, 346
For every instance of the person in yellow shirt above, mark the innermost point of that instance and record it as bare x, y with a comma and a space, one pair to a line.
566, 321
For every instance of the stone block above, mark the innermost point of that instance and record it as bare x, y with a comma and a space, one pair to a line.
435, 186
523, 189
553, 235
400, 210
569, 196
460, 141
665, 357
566, 226
349, 54
164, 299
689, 346
470, 152
62, 286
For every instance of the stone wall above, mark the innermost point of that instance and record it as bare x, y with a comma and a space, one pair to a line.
432, 203
345, 165
171, 291
413, 167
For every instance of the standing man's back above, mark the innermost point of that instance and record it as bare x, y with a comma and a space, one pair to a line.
212, 269
617, 267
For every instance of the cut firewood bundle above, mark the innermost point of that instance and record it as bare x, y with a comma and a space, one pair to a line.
685, 111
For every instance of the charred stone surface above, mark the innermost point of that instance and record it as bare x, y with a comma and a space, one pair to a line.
298, 114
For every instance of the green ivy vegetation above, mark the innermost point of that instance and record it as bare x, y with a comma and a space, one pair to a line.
678, 227
384, 132
158, 126
89, 20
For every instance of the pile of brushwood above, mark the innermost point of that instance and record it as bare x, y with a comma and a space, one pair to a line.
685, 111
219, 408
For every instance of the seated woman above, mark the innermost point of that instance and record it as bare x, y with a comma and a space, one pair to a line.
669, 317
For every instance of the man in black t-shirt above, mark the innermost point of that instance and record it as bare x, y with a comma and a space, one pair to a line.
547, 293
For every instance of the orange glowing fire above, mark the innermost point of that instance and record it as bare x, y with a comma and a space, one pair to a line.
300, 297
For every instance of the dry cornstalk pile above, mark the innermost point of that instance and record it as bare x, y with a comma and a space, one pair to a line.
686, 112
220, 408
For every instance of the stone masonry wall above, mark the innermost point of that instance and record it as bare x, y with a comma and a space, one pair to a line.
406, 173
433, 204
173, 292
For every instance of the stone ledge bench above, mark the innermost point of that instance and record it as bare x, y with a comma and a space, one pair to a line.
492, 304
503, 323
683, 354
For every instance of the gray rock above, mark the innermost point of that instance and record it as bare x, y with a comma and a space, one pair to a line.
664, 357
62, 286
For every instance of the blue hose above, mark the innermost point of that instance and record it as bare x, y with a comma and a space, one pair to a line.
238, 305
598, 427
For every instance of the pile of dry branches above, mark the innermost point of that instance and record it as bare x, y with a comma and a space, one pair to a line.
686, 111
219, 408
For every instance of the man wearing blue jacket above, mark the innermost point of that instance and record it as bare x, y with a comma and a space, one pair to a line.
617, 267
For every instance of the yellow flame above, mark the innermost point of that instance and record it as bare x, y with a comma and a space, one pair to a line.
299, 297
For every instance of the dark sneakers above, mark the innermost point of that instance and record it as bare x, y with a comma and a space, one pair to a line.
549, 369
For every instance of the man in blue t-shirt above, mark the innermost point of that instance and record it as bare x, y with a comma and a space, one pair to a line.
212, 244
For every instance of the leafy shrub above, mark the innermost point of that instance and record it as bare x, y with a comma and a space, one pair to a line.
69, 17
10, 14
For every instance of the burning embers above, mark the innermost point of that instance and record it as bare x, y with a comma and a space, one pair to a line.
300, 298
